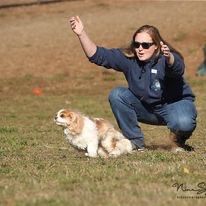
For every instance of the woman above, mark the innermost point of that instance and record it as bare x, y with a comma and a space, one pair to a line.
157, 93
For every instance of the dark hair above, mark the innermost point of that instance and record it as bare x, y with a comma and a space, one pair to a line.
156, 37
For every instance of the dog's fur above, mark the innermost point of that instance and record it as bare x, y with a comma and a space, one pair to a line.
95, 135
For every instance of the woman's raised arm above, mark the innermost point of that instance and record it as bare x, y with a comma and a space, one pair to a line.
87, 44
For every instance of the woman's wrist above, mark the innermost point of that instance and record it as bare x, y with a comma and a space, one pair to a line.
80, 35
170, 59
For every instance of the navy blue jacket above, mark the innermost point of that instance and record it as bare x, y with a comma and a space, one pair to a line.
153, 82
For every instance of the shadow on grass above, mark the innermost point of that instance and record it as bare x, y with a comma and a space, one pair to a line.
186, 147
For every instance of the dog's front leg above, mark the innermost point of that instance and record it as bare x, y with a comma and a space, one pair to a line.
92, 149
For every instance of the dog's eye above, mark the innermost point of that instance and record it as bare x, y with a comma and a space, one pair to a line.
62, 115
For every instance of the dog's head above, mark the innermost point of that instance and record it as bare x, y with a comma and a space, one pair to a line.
69, 119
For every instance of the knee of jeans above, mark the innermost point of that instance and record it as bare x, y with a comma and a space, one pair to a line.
115, 94
184, 125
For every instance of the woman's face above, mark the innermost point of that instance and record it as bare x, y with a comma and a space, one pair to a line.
144, 51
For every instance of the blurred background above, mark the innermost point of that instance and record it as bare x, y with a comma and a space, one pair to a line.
37, 40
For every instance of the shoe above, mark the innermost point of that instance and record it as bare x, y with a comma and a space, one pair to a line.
178, 143
136, 148
177, 149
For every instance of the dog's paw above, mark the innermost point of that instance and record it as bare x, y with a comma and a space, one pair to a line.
90, 155
115, 153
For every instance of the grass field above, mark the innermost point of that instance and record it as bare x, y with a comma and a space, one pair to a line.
37, 166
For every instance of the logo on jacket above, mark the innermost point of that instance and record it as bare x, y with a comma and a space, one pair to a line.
155, 86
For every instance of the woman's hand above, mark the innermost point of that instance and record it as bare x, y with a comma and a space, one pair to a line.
76, 25
166, 52
87, 44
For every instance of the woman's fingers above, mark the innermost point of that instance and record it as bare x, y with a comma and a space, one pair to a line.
78, 19
76, 24
165, 49
73, 23
72, 19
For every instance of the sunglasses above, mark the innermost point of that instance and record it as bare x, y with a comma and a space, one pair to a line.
145, 45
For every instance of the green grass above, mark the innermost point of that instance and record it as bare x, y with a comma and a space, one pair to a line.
37, 166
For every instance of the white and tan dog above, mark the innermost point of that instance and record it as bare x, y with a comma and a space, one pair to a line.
95, 135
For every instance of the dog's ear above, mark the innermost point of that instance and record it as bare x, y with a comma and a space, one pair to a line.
75, 121
71, 116
78, 123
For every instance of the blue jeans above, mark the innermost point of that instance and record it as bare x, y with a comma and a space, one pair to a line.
179, 117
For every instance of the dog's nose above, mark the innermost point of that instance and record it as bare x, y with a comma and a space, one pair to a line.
55, 118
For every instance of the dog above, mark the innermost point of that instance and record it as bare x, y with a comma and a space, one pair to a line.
96, 136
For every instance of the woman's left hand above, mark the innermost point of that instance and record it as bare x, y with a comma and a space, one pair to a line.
166, 52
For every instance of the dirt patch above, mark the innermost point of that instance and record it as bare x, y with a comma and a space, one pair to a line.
18, 3
37, 40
